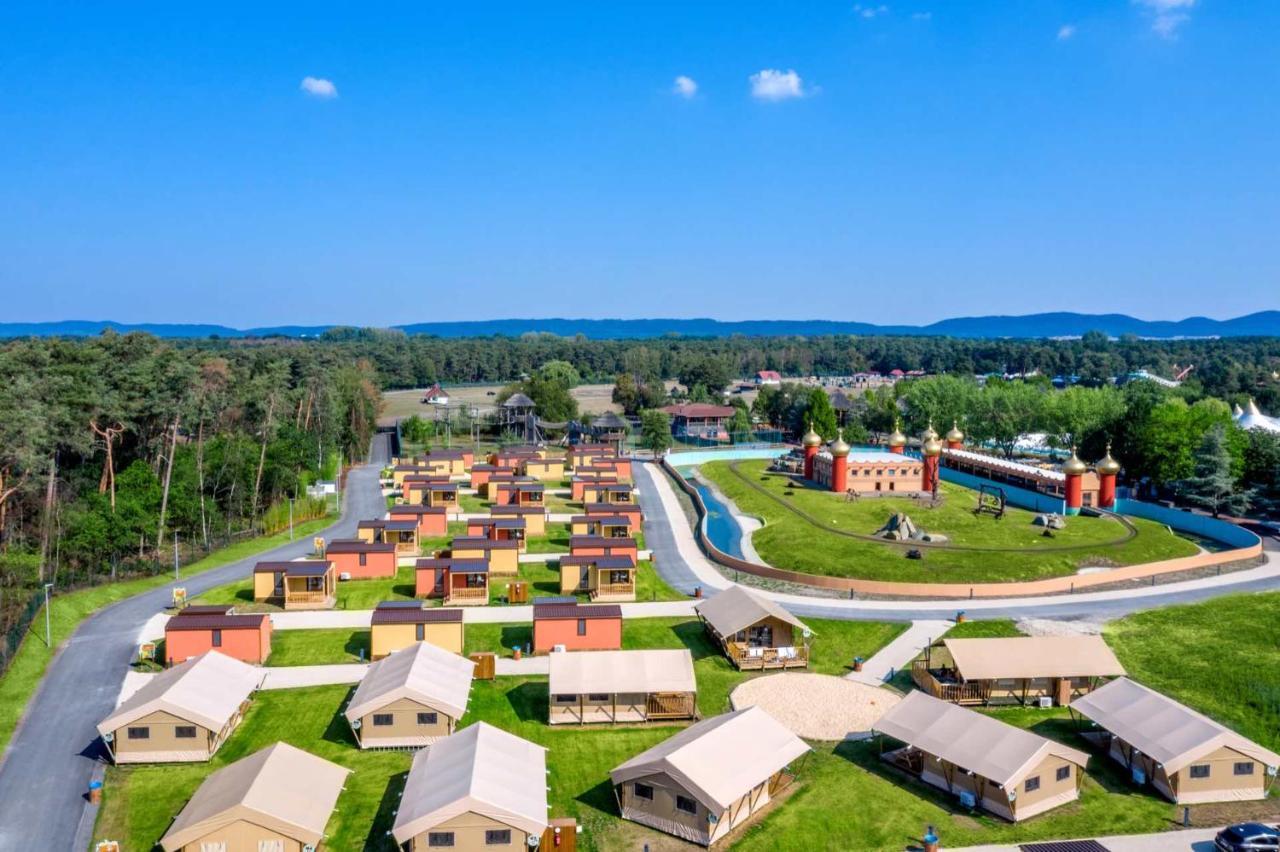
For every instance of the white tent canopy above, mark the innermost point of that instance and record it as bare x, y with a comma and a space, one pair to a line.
737, 609
584, 672
207, 690
422, 672
1033, 657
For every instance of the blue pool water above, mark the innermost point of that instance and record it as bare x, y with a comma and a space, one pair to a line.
722, 530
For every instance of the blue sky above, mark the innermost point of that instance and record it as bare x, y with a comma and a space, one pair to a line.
903, 162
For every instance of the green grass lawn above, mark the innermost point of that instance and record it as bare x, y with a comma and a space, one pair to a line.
351, 594
790, 541
67, 611
318, 647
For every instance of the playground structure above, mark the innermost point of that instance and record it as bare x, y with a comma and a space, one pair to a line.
991, 499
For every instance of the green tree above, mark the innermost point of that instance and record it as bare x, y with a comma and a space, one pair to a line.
740, 425
820, 415
713, 374
655, 431
1212, 486
560, 372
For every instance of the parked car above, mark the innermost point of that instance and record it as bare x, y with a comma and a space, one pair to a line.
1248, 837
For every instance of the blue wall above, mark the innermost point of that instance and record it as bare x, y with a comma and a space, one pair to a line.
1020, 497
693, 458
1199, 525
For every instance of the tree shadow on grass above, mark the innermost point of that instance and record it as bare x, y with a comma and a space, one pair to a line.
338, 731
379, 836
601, 798
530, 701
405, 590
866, 755
517, 635
694, 637
357, 644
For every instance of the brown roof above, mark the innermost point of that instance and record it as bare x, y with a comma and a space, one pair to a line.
417, 510
432, 615
605, 562
458, 566
699, 409
476, 542
299, 568
611, 508
516, 510
599, 541
576, 611
206, 609
246, 621
352, 545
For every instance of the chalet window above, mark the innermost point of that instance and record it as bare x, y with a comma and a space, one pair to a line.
684, 803
497, 837
566, 699
1032, 784
643, 791
185, 732
1244, 767
364, 558
1063, 773
428, 718
139, 733
582, 627
1200, 770
420, 632
383, 719
217, 639
440, 838
597, 696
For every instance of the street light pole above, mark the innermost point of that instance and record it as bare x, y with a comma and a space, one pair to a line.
48, 632
290, 519
175, 554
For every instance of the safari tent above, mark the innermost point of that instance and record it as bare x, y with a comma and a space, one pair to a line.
711, 777
622, 686
984, 762
411, 698
753, 631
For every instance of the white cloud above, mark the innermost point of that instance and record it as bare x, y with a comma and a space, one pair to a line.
685, 87
922, 16
1066, 31
771, 84
319, 87
1167, 16
870, 11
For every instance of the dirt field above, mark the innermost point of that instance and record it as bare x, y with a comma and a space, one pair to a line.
592, 399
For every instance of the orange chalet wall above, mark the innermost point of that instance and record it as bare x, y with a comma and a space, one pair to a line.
603, 634
244, 643
377, 564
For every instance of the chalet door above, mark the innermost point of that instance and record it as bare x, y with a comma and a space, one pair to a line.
278, 591
584, 576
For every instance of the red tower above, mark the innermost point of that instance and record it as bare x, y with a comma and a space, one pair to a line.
839, 464
1074, 469
1107, 470
930, 449
955, 438
812, 441
897, 441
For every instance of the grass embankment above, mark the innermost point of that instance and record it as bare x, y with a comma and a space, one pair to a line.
67, 611
791, 541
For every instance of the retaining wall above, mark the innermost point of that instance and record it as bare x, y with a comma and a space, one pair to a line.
1020, 497
1199, 525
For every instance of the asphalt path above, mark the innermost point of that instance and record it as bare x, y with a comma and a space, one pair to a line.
55, 752
660, 538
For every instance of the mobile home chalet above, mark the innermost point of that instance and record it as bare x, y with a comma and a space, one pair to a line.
630, 511
182, 714
503, 556
301, 584
605, 526
986, 763
576, 627
611, 493
459, 582
518, 493
1186, 756
402, 533
753, 631
498, 529
710, 778
411, 698
360, 560
1021, 670
480, 788
593, 545
546, 469
246, 637
401, 624
431, 520
622, 686
578, 485
608, 579
279, 798
535, 517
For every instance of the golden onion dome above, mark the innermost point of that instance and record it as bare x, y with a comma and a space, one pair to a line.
838, 447
955, 436
1073, 466
897, 439
928, 434
1108, 466
931, 446
811, 438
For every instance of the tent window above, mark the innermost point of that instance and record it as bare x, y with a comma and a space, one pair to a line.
643, 791
1243, 768
566, 699
440, 838
497, 837
1200, 770
420, 632
139, 733
582, 627
217, 639
1063, 773
1032, 784
684, 803
185, 732
382, 719
428, 718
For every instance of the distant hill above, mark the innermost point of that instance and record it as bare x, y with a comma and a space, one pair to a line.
1263, 323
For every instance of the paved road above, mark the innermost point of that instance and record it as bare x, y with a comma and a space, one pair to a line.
679, 562
53, 756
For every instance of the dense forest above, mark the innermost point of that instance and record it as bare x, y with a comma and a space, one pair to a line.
111, 446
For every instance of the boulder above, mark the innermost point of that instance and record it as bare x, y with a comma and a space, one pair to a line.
1050, 520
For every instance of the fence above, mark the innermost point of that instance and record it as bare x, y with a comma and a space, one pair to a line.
1020, 497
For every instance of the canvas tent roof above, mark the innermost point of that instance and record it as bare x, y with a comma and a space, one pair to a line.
736, 609
584, 672
480, 769
995, 750
422, 672
1033, 657
1161, 728
207, 690
719, 759
281, 788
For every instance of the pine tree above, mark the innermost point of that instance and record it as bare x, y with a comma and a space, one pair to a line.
1213, 487
821, 415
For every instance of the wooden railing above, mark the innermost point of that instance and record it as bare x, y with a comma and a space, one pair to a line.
956, 693
308, 597
610, 589
748, 657
670, 705
468, 595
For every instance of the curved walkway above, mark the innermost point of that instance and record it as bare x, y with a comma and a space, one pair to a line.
680, 562
54, 752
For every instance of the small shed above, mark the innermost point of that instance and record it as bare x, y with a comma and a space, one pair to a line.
411, 698
622, 686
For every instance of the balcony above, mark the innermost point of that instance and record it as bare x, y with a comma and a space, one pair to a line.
468, 597
613, 592
945, 690
750, 657
309, 600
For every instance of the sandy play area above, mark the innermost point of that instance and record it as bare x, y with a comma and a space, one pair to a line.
815, 706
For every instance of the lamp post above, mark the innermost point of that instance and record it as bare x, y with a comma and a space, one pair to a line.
48, 633
175, 554
290, 519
